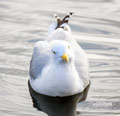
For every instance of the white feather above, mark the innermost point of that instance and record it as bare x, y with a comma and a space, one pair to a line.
51, 28
50, 78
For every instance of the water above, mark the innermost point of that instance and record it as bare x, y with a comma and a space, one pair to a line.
96, 26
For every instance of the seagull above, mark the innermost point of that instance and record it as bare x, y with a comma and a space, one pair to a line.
59, 66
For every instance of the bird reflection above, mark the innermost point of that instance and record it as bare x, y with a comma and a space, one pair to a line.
57, 106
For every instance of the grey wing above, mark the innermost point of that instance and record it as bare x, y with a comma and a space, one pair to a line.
82, 65
41, 56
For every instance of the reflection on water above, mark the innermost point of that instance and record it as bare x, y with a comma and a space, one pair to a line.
57, 106
95, 25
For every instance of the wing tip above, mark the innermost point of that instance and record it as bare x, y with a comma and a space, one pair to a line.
65, 20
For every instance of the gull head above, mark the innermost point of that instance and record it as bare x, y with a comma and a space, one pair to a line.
62, 52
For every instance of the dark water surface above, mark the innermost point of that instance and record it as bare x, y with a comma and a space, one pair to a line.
96, 26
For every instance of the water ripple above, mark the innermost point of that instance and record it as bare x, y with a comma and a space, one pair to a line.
96, 27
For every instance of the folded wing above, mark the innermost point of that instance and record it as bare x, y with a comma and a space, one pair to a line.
41, 57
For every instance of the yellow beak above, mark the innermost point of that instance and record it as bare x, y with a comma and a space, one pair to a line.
65, 57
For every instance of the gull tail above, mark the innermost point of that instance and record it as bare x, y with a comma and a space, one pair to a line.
65, 20
61, 23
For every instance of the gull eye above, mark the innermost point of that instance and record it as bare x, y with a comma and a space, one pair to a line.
54, 52
69, 46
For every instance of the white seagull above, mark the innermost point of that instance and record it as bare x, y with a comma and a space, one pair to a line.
59, 66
